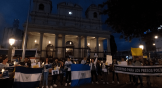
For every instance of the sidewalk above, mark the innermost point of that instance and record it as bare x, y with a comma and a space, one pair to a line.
123, 78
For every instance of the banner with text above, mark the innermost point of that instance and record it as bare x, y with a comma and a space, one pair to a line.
139, 70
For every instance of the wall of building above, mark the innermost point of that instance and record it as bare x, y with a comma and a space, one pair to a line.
158, 44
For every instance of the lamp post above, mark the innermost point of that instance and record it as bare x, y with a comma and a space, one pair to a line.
11, 42
25, 34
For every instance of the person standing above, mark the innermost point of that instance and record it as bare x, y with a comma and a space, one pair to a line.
6, 82
93, 70
84, 60
61, 71
147, 77
130, 76
45, 72
114, 63
105, 73
54, 76
68, 71
138, 63
99, 69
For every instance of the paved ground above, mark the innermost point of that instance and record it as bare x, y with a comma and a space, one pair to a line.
122, 84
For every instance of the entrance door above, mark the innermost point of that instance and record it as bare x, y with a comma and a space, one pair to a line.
69, 49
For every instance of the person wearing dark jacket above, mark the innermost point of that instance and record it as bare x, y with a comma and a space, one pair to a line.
54, 77
61, 71
138, 63
99, 69
115, 62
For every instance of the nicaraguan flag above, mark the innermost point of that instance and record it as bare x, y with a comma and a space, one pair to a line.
27, 77
80, 74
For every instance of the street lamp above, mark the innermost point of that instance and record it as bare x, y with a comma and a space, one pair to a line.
141, 46
153, 44
156, 37
11, 42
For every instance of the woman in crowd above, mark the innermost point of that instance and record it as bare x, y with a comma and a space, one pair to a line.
61, 71
54, 77
137, 62
130, 76
45, 73
114, 62
99, 69
68, 71
148, 77
105, 73
6, 83
93, 70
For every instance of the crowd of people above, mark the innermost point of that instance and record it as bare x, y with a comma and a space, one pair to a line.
99, 69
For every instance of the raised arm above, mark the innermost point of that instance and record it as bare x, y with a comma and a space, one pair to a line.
96, 60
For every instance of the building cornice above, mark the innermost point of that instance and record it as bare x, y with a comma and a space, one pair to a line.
67, 30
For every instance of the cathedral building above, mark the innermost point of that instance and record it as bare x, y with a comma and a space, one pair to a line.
66, 33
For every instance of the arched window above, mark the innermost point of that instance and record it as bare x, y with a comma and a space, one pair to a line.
95, 15
41, 7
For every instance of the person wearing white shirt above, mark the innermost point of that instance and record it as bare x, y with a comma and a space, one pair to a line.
3, 65
84, 60
93, 70
46, 73
68, 71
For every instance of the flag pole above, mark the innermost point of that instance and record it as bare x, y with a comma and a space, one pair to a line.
25, 34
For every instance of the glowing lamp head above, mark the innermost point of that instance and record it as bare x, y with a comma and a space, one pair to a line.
99, 44
70, 43
141, 46
11, 41
70, 13
156, 37
88, 44
35, 41
153, 44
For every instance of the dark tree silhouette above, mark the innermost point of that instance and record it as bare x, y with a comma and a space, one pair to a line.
133, 17
113, 45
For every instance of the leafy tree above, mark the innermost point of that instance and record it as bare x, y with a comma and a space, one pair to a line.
133, 17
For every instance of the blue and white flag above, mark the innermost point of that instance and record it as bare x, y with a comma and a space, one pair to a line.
80, 74
27, 77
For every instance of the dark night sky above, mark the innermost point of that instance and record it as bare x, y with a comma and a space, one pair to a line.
17, 9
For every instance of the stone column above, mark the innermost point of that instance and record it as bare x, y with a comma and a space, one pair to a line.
56, 43
97, 46
108, 46
79, 46
85, 46
63, 45
41, 41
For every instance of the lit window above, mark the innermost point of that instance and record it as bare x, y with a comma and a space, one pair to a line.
70, 13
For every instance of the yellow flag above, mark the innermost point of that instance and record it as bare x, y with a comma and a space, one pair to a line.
136, 52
